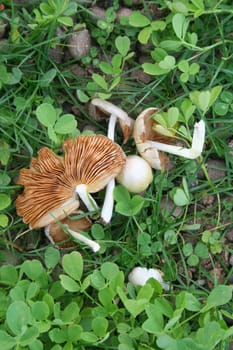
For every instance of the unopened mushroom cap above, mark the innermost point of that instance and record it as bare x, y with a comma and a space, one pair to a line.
143, 132
49, 184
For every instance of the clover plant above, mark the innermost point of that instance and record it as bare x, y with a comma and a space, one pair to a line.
77, 310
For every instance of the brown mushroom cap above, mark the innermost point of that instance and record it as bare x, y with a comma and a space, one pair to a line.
49, 184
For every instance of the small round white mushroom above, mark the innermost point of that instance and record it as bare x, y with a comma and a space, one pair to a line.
136, 174
140, 275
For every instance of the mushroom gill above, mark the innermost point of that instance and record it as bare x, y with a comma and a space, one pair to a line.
92, 160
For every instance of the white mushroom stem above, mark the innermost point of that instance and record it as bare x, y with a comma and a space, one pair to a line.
111, 126
86, 198
47, 233
190, 153
92, 244
107, 209
150, 154
109, 108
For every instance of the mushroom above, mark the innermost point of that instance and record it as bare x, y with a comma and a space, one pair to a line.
136, 174
100, 108
73, 225
150, 143
54, 185
140, 275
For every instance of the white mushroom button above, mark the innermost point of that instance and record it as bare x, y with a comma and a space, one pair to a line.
136, 174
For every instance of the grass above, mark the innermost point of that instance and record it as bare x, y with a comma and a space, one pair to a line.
162, 234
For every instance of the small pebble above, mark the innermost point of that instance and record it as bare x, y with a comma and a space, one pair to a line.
79, 44
123, 12
97, 13
231, 260
216, 169
229, 236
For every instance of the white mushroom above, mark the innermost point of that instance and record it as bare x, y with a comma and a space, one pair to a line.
190, 153
140, 275
136, 174
143, 133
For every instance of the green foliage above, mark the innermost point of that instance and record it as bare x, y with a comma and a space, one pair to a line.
213, 240
5, 201
177, 58
181, 196
4, 152
105, 26
113, 69
9, 78
56, 124
205, 99
35, 319
127, 205
224, 103
59, 11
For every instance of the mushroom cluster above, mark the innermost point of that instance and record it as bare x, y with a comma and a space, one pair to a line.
55, 185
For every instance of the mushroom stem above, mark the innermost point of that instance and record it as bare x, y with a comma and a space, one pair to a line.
107, 209
108, 108
191, 153
111, 126
92, 244
85, 196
